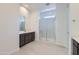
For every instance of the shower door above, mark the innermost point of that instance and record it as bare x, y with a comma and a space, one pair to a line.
51, 29
47, 26
47, 23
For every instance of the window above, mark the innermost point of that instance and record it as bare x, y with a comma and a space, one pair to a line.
48, 13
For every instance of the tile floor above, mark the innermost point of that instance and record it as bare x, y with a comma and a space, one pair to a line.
41, 48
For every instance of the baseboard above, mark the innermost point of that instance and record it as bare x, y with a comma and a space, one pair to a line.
9, 52
15, 50
60, 44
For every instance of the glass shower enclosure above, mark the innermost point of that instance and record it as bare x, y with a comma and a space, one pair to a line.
47, 24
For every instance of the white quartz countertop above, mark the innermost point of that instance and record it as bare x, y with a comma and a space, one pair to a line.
76, 37
21, 32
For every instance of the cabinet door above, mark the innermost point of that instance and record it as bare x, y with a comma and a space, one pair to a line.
26, 40
74, 50
78, 49
33, 36
21, 40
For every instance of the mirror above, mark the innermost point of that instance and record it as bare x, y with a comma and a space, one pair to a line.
22, 23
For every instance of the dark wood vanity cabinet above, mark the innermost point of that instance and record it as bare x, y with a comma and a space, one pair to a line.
25, 38
75, 46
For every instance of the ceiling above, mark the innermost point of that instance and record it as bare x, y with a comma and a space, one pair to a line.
38, 6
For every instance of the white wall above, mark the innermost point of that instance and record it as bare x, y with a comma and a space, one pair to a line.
74, 14
62, 24
9, 39
74, 26
34, 23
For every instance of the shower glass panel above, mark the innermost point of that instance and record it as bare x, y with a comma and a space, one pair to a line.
47, 25
51, 29
47, 29
43, 29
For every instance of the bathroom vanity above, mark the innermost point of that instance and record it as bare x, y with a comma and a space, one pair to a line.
75, 45
25, 38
